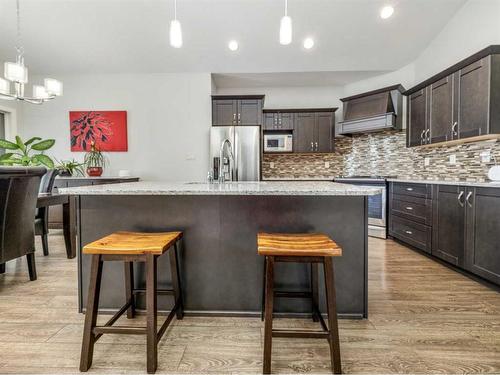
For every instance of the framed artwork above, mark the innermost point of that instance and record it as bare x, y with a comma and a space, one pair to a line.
106, 129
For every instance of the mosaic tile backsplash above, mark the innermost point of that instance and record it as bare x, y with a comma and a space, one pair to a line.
385, 154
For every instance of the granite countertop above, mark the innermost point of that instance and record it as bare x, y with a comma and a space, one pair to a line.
95, 178
299, 178
446, 182
230, 188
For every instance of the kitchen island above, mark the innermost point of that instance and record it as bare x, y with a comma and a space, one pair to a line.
221, 272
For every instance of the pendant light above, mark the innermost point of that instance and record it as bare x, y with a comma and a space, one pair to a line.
175, 30
17, 74
286, 27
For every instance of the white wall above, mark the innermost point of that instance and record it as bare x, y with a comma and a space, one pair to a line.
475, 26
168, 121
294, 97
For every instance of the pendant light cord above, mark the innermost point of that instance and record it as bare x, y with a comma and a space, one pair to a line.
175, 9
19, 48
286, 7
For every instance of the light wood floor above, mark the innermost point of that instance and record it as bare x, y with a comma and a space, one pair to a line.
424, 318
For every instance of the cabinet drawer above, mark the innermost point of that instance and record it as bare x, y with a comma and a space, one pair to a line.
412, 233
414, 190
416, 209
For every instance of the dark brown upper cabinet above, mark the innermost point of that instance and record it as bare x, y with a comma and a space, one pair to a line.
462, 103
237, 110
278, 120
417, 118
440, 110
313, 131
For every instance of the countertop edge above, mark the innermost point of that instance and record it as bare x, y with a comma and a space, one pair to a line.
445, 182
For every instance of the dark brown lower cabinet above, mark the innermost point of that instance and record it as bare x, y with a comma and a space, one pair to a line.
465, 227
482, 252
449, 224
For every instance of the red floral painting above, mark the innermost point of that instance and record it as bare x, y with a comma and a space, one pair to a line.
107, 129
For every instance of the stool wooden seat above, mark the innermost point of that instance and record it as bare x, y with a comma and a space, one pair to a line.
133, 243
300, 248
291, 244
131, 247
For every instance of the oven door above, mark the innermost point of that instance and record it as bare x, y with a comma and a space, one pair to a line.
377, 208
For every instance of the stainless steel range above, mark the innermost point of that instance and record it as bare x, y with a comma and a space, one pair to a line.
377, 204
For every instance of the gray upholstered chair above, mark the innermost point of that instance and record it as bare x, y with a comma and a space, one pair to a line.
18, 196
42, 214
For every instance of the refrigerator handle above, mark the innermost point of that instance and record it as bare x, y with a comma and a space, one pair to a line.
236, 156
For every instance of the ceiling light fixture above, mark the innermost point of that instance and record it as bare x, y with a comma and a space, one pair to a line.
308, 43
233, 45
386, 12
175, 30
286, 27
17, 73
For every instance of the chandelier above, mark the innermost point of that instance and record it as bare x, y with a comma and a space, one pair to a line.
16, 73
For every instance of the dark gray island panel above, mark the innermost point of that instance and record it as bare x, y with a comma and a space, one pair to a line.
220, 269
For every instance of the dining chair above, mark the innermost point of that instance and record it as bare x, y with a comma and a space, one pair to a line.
42, 214
18, 196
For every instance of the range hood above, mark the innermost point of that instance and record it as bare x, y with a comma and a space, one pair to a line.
373, 111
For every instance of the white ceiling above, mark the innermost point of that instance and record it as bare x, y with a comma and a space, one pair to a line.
119, 36
290, 79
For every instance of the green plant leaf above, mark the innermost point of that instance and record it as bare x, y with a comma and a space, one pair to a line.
8, 145
45, 160
31, 140
6, 156
43, 145
20, 143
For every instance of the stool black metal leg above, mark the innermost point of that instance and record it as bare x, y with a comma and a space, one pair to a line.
152, 318
129, 288
332, 315
314, 292
176, 281
268, 325
263, 304
91, 313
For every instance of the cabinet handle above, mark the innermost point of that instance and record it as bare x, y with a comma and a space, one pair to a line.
316, 146
408, 232
239, 117
422, 137
409, 208
409, 189
428, 135
312, 146
234, 118
460, 199
467, 199
454, 132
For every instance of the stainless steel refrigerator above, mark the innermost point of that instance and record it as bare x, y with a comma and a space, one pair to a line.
240, 152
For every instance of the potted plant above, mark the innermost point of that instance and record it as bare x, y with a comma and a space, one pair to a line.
70, 168
22, 153
95, 161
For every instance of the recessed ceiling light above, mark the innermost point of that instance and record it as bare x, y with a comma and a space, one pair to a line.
386, 12
233, 45
308, 43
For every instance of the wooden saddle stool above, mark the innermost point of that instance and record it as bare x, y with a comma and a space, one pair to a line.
130, 247
301, 248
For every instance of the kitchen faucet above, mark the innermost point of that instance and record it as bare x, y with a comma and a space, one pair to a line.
230, 159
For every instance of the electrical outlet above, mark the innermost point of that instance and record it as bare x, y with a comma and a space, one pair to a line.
271, 165
453, 159
327, 165
427, 161
485, 156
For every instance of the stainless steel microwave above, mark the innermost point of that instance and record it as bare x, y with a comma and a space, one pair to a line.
278, 142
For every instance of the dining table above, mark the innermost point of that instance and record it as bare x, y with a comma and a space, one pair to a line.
69, 217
